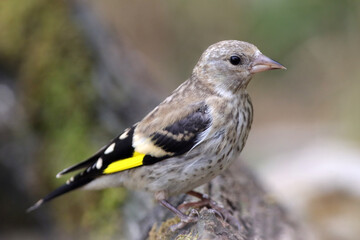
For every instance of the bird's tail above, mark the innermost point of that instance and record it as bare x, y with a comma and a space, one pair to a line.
72, 184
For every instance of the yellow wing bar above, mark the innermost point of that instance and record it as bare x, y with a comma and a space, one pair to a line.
124, 164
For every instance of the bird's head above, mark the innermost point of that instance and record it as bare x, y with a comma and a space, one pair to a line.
229, 65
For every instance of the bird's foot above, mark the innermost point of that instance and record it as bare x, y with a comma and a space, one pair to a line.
205, 201
185, 220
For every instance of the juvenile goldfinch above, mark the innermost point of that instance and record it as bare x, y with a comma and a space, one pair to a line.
190, 138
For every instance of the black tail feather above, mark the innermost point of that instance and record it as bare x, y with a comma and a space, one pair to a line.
83, 164
69, 186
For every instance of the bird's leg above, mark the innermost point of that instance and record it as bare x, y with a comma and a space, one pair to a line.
184, 219
206, 201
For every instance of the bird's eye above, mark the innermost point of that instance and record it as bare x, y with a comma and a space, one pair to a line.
235, 60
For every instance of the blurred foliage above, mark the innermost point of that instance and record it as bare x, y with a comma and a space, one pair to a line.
177, 31
44, 51
316, 40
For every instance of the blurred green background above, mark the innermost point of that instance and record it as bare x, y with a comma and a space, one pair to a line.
74, 74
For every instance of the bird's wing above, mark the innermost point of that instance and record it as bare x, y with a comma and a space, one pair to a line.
174, 139
133, 149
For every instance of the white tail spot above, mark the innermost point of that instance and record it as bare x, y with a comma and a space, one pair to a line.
99, 163
110, 148
125, 134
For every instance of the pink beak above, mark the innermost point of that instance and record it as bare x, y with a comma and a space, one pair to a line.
263, 63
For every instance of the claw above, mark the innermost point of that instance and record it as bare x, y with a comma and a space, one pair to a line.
216, 212
194, 213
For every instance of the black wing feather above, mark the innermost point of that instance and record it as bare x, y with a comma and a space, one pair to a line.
88, 162
182, 135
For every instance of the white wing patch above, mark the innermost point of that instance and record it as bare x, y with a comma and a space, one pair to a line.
144, 145
202, 136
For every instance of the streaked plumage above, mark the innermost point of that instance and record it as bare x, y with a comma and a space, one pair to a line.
189, 138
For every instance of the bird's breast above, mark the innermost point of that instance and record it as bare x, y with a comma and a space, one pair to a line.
235, 117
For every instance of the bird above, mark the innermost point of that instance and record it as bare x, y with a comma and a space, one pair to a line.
188, 139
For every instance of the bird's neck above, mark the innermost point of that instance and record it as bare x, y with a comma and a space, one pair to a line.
231, 88
221, 87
